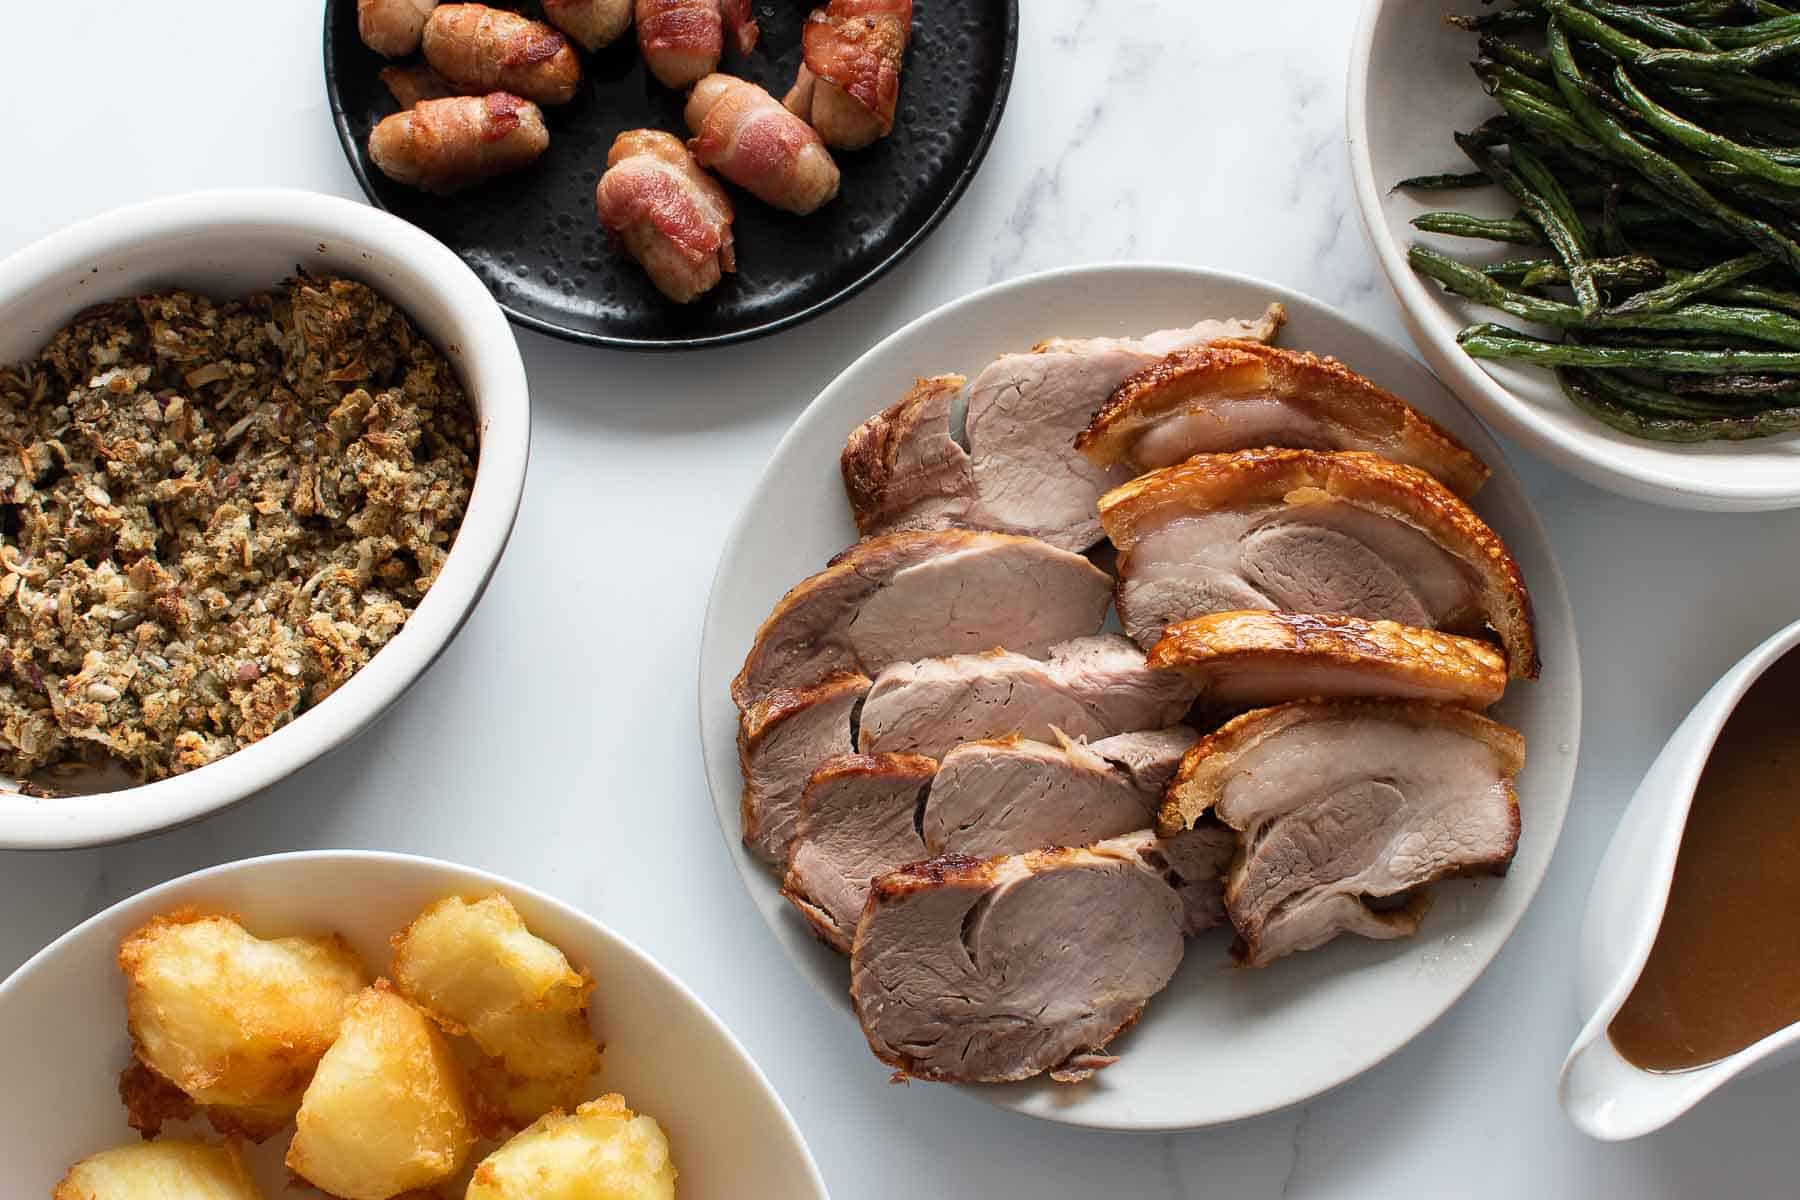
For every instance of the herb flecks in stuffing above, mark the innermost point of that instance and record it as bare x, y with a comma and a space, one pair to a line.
212, 514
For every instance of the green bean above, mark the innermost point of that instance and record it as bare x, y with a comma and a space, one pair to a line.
1548, 207
1625, 271
1455, 224
1732, 37
1499, 342
1579, 388
1515, 56
1764, 297
1677, 292
1756, 389
1650, 25
1685, 133
1658, 170
1449, 181
1496, 75
1753, 89
1703, 319
1505, 19
1740, 61
1614, 41
1552, 121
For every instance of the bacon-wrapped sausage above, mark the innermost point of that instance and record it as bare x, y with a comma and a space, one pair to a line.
682, 40
481, 49
671, 215
591, 24
443, 146
744, 134
849, 77
409, 85
392, 27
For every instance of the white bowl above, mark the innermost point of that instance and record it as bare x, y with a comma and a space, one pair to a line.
228, 243
1605, 1095
1410, 88
63, 1040
1221, 1042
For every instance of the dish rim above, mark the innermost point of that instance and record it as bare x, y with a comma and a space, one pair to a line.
488, 363
1009, 50
1548, 588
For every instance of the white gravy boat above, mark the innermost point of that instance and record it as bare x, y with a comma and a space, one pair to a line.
1606, 1096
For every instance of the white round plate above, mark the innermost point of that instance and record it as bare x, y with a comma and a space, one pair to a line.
1410, 89
63, 1040
1221, 1042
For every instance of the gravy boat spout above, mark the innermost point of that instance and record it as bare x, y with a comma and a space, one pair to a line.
1606, 1096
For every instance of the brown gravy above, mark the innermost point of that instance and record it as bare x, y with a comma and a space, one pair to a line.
1725, 970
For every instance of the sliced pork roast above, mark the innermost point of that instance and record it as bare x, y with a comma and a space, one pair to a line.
1344, 802
1312, 531
1091, 687
858, 819
862, 816
991, 970
1249, 659
1025, 411
921, 594
1238, 395
1008, 795
903, 469
782, 739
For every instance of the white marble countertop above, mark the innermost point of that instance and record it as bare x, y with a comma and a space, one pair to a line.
1195, 132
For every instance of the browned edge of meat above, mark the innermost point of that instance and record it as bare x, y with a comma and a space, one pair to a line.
1386, 652
1205, 768
1211, 481
1324, 388
872, 458
904, 770
758, 723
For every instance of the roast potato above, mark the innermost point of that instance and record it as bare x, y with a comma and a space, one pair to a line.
231, 1019
475, 967
191, 1170
602, 1151
387, 1109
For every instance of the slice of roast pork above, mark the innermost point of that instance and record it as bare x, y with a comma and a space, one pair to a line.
1091, 687
1008, 795
1250, 659
903, 469
782, 739
987, 971
858, 819
1341, 803
1025, 411
1236, 395
1314, 532
862, 816
922, 594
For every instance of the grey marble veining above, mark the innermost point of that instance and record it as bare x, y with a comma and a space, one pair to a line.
555, 741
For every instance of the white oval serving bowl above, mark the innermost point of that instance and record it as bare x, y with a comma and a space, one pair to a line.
1410, 87
231, 243
1220, 1043
1605, 1095
63, 1039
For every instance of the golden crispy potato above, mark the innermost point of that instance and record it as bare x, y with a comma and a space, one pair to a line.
386, 1111
160, 1171
511, 1102
475, 967
601, 1152
231, 1019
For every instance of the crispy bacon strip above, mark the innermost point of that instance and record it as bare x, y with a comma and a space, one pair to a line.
671, 215
744, 134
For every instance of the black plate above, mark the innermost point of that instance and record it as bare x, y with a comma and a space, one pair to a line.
533, 237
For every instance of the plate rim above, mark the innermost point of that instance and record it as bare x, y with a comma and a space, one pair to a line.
1550, 598
1582, 455
400, 860
1009, 52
